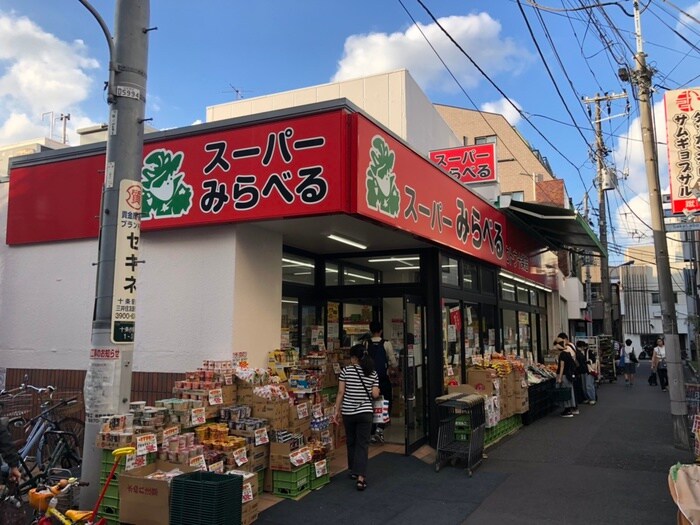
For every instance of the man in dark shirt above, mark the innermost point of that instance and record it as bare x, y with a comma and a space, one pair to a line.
8, 451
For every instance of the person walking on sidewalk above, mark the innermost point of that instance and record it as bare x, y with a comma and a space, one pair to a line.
382, 353
630, 358
358, 386
578, 388
658, 364
566, 375
587, 380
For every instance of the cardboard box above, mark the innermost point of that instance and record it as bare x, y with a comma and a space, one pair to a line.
294, 411
250, 512
522, 403
461, 389
249, 478
146, 501
485, 381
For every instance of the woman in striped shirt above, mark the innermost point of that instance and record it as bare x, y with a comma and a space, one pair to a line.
358, 387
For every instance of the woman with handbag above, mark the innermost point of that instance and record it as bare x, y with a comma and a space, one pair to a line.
658, 364
358, 387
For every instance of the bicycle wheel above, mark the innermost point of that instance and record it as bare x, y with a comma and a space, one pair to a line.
77, 428
58, 451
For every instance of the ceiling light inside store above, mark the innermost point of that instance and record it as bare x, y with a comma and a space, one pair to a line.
407, 268
349, 242
394, 259
293, 262
290, 301
360, 276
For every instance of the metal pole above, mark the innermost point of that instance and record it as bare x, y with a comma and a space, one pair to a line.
108, 380
642, 77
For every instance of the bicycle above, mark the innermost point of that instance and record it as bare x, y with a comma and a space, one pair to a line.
53, 441
46, 500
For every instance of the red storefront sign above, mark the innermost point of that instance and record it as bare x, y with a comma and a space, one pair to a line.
468, 164
398, 187
290, 168
294, 167
683, 139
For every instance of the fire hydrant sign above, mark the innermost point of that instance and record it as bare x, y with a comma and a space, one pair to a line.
126, 261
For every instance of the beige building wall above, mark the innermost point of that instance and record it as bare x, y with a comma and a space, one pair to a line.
519, 169
392, 99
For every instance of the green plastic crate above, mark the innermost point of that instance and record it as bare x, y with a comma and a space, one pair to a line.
317, 483
261, 481
295, 479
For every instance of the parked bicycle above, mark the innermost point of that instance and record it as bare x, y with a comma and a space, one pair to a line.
52, 439
46, 499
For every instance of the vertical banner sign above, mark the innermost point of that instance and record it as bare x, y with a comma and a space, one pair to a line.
126, 262
683, 139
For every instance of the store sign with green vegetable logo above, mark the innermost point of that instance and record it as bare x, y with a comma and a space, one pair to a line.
382, 193
165, 192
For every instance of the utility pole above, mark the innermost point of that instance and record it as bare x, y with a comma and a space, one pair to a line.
589, 293
108, 380
641, 78
601, 153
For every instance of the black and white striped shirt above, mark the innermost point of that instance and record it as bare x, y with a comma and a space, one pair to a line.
356, 399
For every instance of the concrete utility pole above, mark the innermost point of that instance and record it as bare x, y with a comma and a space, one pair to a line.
108, 381
601, 153
641, 77
589, 294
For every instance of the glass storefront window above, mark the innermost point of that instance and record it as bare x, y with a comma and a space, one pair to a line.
451, 338
352, 276
332, 277
290, 324
524, 334
507, 291
488, 281
523, 295
472, 339
356, 319
534, 337
449, 270
488, 327
509, 340
533, 297
297, 269
312, 331
541, 299
470, 279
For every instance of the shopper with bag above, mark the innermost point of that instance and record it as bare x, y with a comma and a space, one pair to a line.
629, 358
658, 364
382, 353
585, 372
358, 387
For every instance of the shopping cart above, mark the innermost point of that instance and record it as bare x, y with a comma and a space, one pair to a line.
461, 431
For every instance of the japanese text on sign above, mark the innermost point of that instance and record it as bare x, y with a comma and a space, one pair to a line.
468, 164
126, 262
683, 139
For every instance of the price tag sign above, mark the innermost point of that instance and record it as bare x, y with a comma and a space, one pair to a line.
247, 492
170, 432
317, 411
135, 461
146, 443
198, 462
450, 371
321, 468
228, 379
240, 456
302, 410
216, 397
326, 437
300, 457
199, 416
336, 368
217, 467
261, 437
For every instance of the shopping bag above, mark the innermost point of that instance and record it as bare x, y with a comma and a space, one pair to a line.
381, 410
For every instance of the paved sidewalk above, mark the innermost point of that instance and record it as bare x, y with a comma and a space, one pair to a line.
607, 465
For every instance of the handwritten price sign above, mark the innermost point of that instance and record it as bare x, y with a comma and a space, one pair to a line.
199, 416
261, 437
146, 443
216, 397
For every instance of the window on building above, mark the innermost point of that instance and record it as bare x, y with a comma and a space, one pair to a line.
518, 196
297, 269
470, 276
449, 270
488, 139
656, 297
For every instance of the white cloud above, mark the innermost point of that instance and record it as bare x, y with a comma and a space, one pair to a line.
628, 155
505, 108
39, 74
478, 34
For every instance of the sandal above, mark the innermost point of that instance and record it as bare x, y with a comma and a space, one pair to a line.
353, 476
361, 484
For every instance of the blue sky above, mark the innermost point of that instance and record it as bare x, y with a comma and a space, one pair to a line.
53, 58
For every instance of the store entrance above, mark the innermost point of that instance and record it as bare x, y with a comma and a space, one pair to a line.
403, 323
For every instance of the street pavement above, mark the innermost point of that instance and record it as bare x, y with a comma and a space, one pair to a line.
607, 465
